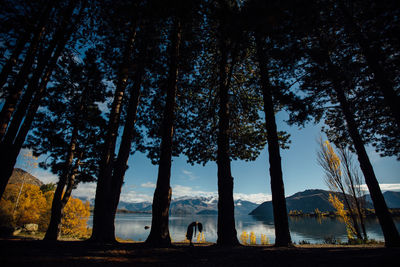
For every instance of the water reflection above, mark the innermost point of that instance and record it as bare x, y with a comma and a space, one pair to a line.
311, 229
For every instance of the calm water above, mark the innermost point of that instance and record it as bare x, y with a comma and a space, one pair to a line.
310, 229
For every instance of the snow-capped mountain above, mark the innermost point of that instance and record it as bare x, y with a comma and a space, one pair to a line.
192, 205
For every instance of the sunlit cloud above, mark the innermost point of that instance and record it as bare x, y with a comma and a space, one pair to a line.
148, 185
384, 187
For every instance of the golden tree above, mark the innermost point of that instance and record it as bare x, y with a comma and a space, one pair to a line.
342, 176
30, 206
76, 215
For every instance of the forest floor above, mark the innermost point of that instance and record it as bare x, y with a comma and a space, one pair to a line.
29, 252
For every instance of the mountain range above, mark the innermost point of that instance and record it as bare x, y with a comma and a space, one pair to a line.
186, 205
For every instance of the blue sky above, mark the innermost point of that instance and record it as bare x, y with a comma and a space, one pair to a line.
300, 171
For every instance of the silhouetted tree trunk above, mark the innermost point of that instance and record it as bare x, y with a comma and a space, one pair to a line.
120, 165
43, 63
159, 234
20, 80
103, 224
24, 39
57, 206
282, 233
374, 55
6, 70
9, 152
226, 230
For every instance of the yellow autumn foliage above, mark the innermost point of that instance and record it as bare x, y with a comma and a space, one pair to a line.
264, 240
244, 237
253, 239
76, 215
25, 203
339, 207
333, 158
22, 204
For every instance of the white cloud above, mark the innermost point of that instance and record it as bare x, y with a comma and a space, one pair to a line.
85, 190
135, 197
255, 198
185, 191
384, 187
148, 185
189, 174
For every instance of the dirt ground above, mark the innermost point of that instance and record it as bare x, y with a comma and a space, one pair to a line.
20, 252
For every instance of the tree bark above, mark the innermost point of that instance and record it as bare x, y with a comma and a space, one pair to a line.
282, 233
120, 165
103, 224
373, 57
58, 204
42, 19
159, 234
6, 70
20, 81
226, 230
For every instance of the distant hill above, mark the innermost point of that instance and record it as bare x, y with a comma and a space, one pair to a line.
392, 199
20, 176
307, 201
138, 207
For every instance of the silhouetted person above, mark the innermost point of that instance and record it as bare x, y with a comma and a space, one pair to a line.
195, 226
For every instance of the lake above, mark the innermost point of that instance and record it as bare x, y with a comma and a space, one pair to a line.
310, 229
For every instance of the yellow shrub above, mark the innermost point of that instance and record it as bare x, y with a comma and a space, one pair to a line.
76, 215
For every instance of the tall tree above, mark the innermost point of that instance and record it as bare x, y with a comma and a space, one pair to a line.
159, 234
124, 18
69, 131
